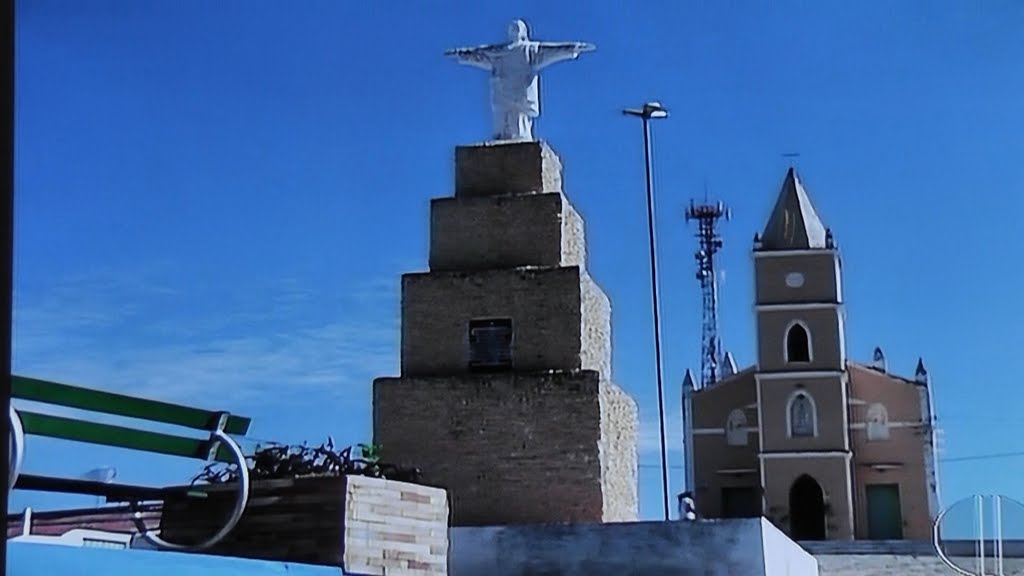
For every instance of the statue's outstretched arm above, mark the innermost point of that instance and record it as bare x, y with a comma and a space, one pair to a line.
550, 52
478, 57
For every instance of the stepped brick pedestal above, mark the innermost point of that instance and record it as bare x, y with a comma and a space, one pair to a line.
505, 397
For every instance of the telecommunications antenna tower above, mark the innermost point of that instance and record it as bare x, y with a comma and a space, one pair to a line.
707, 216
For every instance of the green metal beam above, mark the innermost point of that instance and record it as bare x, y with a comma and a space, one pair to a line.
117, 436
121, 405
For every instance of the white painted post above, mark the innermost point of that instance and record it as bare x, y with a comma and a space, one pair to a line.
998, 504
26, 523
980, 505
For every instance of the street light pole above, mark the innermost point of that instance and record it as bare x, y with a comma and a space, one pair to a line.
654, 110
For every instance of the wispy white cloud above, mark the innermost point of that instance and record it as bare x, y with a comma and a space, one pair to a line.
127, 332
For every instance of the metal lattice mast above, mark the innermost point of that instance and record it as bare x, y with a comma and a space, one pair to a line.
707, 217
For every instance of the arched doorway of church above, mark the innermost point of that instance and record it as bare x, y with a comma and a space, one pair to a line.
806, 510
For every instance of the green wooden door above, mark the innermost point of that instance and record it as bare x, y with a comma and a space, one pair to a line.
885, 521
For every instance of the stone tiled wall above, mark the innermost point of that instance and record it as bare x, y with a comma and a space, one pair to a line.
394, 528
619, 429
574, 247
595, 328
515, 448
367, 526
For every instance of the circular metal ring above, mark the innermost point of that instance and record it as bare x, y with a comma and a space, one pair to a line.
937, 544
241, 500
17, 449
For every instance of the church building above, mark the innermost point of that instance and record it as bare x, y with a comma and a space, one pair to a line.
823, 446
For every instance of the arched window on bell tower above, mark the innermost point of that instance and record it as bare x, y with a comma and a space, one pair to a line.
798, 342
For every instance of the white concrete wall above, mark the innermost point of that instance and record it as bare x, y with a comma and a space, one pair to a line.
784, 557
713, 548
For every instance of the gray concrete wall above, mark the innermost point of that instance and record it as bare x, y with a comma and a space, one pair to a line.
727, 547
782, 556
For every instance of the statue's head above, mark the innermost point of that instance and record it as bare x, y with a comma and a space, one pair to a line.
517, 31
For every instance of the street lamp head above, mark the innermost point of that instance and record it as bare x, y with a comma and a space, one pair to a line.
655, 110
649, 110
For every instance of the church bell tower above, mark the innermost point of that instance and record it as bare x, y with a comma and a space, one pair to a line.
801, 378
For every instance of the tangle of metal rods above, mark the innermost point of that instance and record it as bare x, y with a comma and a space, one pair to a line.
280, 461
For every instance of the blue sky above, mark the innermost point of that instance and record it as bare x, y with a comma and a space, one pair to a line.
215, 201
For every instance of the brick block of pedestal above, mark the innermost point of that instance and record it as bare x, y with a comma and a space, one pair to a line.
505, 232
502, 168
515, 448
561, 319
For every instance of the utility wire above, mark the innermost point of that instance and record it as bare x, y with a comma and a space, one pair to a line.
976, 457
998, 456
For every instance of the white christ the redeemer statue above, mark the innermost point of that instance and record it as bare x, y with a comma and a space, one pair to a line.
514, 66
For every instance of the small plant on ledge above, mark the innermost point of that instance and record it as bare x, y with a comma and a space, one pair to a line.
281, 461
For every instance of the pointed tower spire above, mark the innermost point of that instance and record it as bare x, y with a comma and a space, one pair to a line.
728, 365
794, 224
921, 375
878, 359
688, 390
688, 383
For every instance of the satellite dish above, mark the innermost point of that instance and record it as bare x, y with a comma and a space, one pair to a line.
105, 474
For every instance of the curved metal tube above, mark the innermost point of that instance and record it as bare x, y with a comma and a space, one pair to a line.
938, 547
17, 449
241, 500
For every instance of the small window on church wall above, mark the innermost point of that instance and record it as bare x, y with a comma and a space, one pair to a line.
490, 344
801, 416
798, 344
877, 423
736, 428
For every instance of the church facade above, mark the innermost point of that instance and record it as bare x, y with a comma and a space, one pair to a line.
824, 447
